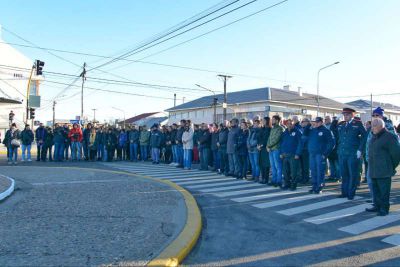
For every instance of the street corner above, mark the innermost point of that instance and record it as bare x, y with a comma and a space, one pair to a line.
7, 186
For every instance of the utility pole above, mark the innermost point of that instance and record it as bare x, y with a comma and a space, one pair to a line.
174, 100
183, 100
54, 113
83, 75
225, 104
94, 114
27, 95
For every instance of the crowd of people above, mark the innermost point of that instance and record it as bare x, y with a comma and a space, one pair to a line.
271, 151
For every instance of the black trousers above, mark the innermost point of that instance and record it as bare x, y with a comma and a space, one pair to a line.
47, 150
305, 167
291, 170
381, 188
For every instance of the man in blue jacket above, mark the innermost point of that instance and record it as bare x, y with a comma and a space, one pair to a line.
352, 138
320, 144
40, 135
290, 151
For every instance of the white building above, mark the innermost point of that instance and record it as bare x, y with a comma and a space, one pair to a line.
14, 75
392, 112
250, 103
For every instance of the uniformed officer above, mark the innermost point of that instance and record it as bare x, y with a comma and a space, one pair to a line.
320, 144
352, 136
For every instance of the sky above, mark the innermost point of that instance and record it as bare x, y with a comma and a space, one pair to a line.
285, 45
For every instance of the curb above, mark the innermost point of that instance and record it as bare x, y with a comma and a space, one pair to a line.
10, 190
179, 248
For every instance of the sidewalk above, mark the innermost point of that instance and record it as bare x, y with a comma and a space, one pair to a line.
6, 186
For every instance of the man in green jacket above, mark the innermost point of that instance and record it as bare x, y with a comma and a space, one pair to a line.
144, 140
273, 147
383, 159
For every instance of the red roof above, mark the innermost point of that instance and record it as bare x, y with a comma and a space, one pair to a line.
139, 117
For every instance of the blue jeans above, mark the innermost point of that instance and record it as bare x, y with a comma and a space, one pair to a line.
233, 160
187, 158
216, 159
13, 154
155, 154
349, 168
180, 154
318, 167
28, 149
100, 151
143, 152
255, 166
58, 151
276, 166
174, 153
133, 151
204, 151
76, 150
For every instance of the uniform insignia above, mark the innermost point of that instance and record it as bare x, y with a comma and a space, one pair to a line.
293, 134
320, 133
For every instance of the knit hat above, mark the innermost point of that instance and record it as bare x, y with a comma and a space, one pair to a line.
379, 111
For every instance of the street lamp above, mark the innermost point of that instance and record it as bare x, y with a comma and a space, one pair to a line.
122, 112
337, 62
214, 101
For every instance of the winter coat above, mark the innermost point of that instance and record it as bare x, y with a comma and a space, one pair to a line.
86, 135
187, 139
179, 134
27, 137
155, 139
383, 154
264, 154
11, 135
275, 137
40, 134
242, 143
100, 138
59, 135
254, 139
67, 141
92, 144
173, 136
223, 138
352, 137
232, 140
205, 139
122, 139
291, 143
214, 140
196, 137
134, 136
49, 141
144, 138
75, 135
321, 141
110, 140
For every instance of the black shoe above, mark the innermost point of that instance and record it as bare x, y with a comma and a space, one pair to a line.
285, 187
293, 188
373, 209
350, 198
382, 213
275, 185
311, 191
319, 192
270, 184
341, 196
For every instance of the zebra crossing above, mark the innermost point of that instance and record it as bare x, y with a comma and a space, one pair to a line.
286, 203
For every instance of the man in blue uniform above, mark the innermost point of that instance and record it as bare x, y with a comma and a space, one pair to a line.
291, 148
320, 144
352, 137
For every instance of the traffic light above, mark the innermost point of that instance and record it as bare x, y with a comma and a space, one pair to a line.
39, 67
32, 113
11, 115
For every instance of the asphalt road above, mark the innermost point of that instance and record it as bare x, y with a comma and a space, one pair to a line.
245, 224
81, 217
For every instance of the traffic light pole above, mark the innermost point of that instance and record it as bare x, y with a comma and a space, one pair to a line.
27, 95
83, 75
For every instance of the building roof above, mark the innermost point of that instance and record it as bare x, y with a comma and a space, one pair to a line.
138, 117
4, 100
261, 94
366, 104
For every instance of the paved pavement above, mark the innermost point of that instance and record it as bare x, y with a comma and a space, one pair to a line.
256, 225
77, 217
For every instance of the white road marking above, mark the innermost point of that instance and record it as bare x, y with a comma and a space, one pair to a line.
265, 196
288, 200
216, 184
370, 224
393, 239
216, 177
338, 214
209, 190
243, 192
315, 206
203, 181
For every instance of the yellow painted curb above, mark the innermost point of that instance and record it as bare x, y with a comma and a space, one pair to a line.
175, 252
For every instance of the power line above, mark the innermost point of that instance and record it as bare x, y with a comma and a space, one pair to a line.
165, 35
